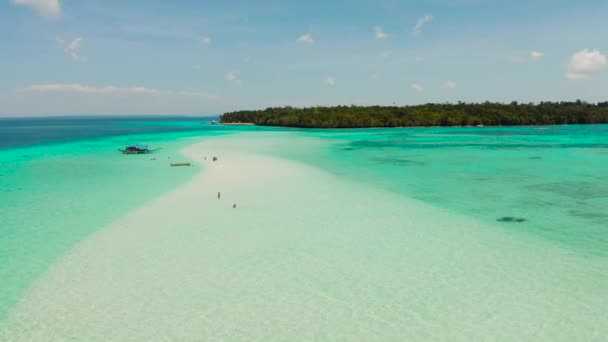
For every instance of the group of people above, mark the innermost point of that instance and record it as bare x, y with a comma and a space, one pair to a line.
219, 195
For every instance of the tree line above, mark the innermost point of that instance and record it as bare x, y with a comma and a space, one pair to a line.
446, 114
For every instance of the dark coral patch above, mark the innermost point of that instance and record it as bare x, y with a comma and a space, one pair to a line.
511, 219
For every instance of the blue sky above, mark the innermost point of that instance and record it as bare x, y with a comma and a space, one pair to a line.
206, 57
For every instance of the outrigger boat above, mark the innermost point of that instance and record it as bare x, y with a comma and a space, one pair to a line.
136, 149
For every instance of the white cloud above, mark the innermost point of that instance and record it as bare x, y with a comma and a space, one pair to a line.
585, 63
206, 40
417, 87
50, 9
187, 93
449, 85
306, 38
72, 49
330, 81
532, 56
386, 54
536, 56
86, 89
379, 33
421, 23
77, 88
233, 76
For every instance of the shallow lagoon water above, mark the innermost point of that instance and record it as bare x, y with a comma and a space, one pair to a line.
57, 188
51, 197
552, 177
556, 178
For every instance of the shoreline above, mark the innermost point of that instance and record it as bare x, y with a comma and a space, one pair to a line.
401, 127
238, 124
42, 188
305, 254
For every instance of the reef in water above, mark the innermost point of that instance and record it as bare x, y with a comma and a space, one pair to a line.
511, 219
396, 161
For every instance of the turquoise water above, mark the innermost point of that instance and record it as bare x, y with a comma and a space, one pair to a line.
57, 188
55, 193
555, 178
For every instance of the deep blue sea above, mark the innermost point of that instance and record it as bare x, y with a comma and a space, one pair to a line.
17, 132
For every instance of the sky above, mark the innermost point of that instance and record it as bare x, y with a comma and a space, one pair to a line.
115, 57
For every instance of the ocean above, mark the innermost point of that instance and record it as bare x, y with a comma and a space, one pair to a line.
541, 189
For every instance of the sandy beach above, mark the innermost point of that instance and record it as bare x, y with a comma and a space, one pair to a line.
237, 124
303, 256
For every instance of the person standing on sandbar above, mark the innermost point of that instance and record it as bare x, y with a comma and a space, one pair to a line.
219, 194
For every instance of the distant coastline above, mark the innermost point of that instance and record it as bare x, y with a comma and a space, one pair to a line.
427, 115
238, 123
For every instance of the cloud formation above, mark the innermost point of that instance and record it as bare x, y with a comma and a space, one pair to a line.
306, 38
449, 85
72, 49
386, 54
417, 87
536, 56
532, 56
76, 88
50, 9
585, 64
330, 81
421, 23
233, 76
379, 33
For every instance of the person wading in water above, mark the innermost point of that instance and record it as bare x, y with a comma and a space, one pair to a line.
219, 194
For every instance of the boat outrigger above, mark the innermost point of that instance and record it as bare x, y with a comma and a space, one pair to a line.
136, 149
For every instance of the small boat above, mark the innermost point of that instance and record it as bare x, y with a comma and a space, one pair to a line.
213, 122
136, 149
180, 164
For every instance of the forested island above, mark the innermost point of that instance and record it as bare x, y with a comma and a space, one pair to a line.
459, 114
